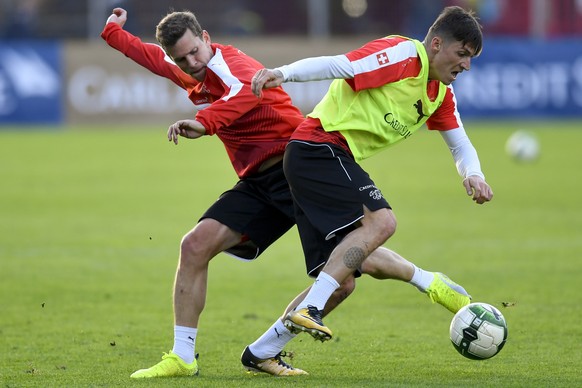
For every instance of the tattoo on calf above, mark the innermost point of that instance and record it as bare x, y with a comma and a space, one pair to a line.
354, 257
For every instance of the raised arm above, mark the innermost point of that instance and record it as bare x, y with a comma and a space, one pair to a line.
118, 16
151, 56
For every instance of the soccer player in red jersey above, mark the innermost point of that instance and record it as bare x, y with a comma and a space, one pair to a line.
246, 219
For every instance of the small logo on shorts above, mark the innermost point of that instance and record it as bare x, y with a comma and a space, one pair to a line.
374, 194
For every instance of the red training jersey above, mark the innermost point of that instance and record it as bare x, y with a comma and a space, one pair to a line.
252, 130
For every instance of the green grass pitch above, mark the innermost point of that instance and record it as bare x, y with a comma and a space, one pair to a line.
90, 224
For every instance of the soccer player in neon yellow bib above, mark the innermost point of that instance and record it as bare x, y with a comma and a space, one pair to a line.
382, 93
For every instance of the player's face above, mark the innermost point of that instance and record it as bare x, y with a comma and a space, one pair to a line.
449, 60
192, 53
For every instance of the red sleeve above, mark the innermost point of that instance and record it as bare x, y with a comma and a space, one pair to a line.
148, 55
446, 116
383, 61
230, 72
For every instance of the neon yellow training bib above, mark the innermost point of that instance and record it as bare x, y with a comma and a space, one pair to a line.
374, 119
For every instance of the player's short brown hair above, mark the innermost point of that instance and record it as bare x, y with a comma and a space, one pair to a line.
458, 24
174, 25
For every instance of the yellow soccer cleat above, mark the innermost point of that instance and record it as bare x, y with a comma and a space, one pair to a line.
447, 293
170, 366
308, 320
274, 366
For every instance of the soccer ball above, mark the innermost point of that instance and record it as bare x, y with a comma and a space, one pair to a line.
523, 146
478, 331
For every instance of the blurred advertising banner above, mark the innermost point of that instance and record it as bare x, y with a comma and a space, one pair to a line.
30, 82
103, 86
515, 78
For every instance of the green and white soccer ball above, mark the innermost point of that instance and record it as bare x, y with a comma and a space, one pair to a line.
478, 331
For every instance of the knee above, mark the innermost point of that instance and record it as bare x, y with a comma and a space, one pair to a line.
383, 225
389, 227
193, 249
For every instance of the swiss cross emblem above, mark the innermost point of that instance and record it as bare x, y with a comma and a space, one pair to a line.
382, 58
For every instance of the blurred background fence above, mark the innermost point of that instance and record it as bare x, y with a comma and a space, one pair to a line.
55, 69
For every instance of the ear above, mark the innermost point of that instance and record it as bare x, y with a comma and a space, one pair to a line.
206, 37
436, 43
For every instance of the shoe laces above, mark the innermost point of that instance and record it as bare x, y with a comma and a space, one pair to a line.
315, 314
279, 360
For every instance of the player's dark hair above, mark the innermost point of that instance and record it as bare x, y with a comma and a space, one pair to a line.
174, 25
458, 24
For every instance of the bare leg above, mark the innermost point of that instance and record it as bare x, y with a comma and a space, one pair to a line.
376, 227
272, 341
384, 263
198, 247
339, 295
381, 264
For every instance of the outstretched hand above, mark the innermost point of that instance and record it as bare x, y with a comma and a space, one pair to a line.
478, 188
190, 129
118, 16
265, 79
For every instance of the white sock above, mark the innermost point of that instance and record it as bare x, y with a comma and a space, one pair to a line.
320, 292
421, 278
272, 341
185, 342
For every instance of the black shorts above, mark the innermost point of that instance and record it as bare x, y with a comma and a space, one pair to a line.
330, 190
259, 207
